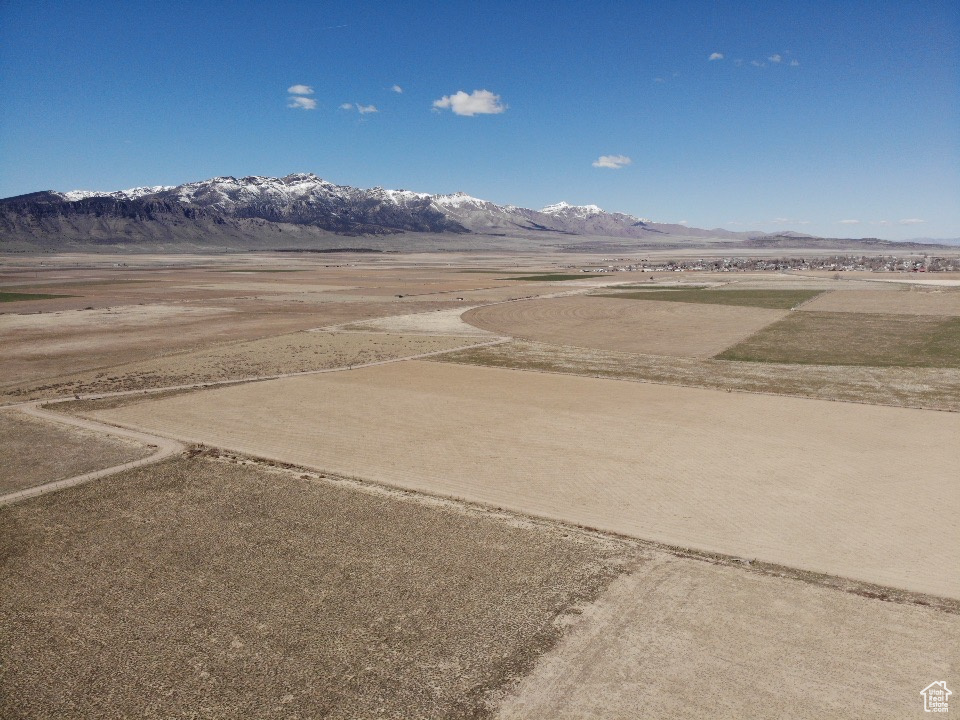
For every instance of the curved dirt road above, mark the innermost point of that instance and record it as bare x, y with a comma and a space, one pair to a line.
165, 448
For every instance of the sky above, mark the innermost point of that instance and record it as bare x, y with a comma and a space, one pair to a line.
839, 119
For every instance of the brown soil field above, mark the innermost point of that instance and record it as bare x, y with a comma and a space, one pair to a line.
46, 346
929, 388
120, 315
679, 638
33, 452
277, 355
891, 302
650, 327
823, 486
839, 338
199, 588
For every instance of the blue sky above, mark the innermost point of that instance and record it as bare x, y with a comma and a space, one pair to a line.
833, 118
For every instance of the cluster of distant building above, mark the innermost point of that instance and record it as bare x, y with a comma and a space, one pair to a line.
836, 263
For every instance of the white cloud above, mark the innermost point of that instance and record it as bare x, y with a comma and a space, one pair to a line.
397, 89
300, 90
715, 56
683, 222
775, 58
757, 63
781, 220
479, 102
912, 221
794, 63
614, 162
302, 103
849, 222
360, 108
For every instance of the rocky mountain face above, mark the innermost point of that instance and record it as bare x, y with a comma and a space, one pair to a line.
303, 210
257, 209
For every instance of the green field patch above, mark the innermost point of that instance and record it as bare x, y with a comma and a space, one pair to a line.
772, 299
23, 297
871, 339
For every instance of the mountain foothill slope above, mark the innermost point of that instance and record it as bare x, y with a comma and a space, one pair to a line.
300, 210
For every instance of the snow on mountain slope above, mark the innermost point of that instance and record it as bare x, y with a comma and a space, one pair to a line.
306, 199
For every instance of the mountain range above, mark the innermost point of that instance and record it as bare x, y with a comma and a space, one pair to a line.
303, 211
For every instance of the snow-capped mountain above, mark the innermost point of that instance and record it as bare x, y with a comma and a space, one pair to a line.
300, 204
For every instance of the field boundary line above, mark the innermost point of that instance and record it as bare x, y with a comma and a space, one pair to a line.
253, 378
165, 447
695, 387
863, 588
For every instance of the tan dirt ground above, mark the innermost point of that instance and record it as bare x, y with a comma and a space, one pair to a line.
827, 487
47, 346
903, 302
650, 327
681, 638
168, 305
199, 588
929, 388
33, 452
434, 322
277, 355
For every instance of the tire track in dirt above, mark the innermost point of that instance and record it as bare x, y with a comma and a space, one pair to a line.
165, 448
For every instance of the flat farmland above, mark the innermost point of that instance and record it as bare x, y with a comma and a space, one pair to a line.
823, 486
929, 388
889, 301
275, 355
773, 299
651, 327
684, 639
106, 314
34, 451
48, 345
843, 338
206, 589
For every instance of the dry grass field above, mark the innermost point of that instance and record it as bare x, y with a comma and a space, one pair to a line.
49, 345
111, 315
824, 486
681, 638
772, 535
203, 589
653, 327
929, 388
887, 301
276, 355
33, 452
841, 338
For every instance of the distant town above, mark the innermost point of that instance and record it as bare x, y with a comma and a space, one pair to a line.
837, 263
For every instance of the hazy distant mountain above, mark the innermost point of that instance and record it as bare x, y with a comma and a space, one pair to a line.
301, 210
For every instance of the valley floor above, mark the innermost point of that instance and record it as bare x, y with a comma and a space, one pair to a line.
477, 495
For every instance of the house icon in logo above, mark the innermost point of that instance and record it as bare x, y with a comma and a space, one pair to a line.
936, 697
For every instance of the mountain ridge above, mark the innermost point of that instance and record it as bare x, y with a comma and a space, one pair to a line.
302, 208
